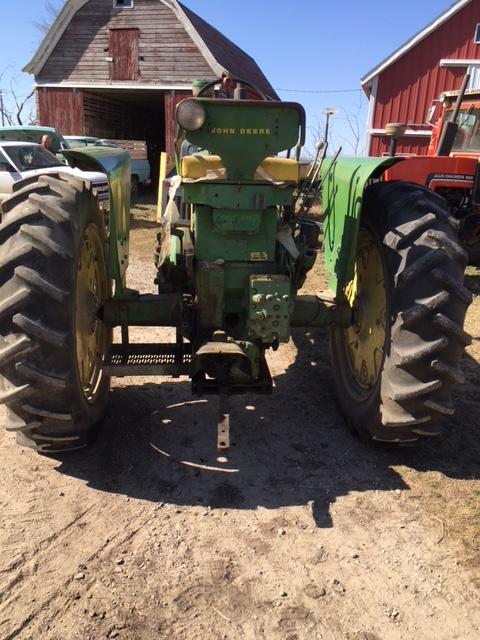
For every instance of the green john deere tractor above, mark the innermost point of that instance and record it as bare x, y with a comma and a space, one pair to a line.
231, 259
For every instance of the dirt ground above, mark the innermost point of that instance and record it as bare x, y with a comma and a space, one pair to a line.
305, 535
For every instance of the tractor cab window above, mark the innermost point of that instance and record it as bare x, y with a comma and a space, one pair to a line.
468, 134
30, 157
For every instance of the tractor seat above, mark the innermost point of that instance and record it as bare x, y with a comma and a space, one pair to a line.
198, 166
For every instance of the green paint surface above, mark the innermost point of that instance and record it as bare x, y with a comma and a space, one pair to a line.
342, 199
244, 133
116, 164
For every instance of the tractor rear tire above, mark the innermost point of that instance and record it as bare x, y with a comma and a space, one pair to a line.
53, 280
396, 368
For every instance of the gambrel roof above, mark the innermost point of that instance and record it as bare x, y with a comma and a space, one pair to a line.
220, 53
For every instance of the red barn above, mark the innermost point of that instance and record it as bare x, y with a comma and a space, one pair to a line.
401, 87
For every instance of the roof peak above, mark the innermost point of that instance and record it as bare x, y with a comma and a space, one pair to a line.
57, 29
71, 7
413, 41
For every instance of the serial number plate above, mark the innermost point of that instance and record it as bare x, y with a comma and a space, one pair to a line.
258, 256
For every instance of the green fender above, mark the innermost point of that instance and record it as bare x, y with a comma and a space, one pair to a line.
116, 164
343, 186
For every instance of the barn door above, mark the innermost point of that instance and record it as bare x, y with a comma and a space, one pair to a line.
124, 54
62, 109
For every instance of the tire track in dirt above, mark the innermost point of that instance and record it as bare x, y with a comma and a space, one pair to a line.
32, 556
51, 557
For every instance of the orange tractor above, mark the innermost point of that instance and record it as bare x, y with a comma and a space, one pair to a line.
452, 169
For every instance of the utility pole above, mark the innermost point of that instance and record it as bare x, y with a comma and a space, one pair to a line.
1, 108
329, 112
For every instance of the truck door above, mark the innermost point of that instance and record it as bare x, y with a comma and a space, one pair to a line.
8, 175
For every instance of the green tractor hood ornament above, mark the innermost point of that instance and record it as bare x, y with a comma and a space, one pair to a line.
234, 249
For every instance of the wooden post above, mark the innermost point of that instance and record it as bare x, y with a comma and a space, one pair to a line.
161, 180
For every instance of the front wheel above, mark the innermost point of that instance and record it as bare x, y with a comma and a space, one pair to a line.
53, 282
395, 368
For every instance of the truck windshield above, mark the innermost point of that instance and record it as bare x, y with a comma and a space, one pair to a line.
29, 157
468, 134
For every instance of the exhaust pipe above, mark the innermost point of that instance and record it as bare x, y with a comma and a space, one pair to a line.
450, 129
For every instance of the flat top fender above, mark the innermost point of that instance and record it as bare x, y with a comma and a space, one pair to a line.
343, 186
436, 171
116, 164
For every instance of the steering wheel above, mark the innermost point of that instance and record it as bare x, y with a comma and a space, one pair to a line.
239, 81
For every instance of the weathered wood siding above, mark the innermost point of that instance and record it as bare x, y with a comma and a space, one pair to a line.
166, 51
106, 117
62, 109
171, 100
124, 51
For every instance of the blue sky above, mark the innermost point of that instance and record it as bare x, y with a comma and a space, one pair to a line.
300, 44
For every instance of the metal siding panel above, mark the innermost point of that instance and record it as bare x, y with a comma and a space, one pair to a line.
416, 146
375, 147
407, 88
410, 146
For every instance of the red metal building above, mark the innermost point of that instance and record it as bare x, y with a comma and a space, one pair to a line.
402, 87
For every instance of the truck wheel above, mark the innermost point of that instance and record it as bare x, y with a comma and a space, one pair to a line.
53, 280
395, 368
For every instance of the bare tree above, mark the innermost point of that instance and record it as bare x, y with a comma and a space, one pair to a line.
317, 136
346, 128
15, 108
21, 103
51, 11
355, 128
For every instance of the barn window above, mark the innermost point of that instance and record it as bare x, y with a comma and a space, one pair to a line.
122, 4
477, 34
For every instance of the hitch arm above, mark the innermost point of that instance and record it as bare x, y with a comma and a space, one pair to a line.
223, 434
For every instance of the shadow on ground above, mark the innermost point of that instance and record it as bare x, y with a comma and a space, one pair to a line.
472, 280
291, 448
143, 223
144, 210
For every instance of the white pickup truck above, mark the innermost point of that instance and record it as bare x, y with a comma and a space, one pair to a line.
26, 159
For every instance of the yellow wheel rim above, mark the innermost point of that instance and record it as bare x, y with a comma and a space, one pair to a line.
90, 332
365, 339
